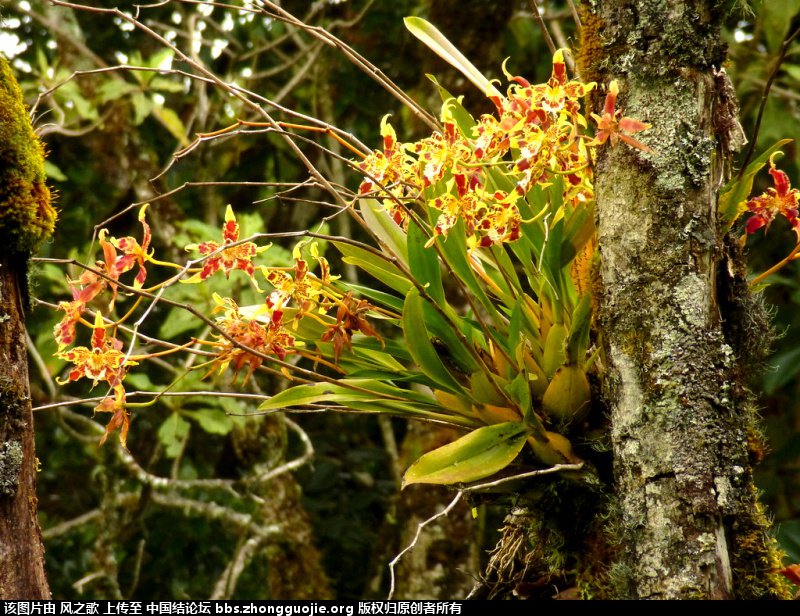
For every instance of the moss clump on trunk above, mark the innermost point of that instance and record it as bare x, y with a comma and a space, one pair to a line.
26, 215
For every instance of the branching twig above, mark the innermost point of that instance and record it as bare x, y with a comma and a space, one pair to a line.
765, 95
413, 543
544, 471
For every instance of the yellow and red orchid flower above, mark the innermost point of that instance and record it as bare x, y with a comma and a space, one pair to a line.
64, 331
489, 218
305, 289
390, 174
105, 361
269, 338
119, 419
90, 284
133, 253
557, 95
238, 257
780, 200
611, 126
350, 318
441, 152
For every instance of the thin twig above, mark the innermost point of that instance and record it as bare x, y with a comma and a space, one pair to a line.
545, 33
413, 543
544, 471
575, 15
764, 96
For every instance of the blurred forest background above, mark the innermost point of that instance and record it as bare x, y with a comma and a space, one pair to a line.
210, 502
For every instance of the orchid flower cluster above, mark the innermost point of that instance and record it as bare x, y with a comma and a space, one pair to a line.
480, 312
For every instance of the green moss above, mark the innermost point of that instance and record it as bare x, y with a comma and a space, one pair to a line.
756, 557
26, 216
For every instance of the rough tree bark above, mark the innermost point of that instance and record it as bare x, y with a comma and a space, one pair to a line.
681, 419
666, 507
26, 218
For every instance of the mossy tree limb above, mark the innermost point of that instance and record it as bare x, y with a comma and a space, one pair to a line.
680, 417
26, 219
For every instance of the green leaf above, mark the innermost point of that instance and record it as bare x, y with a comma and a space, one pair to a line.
177, 321
520, 391
453, 107
387, 230
454, 252
783, 368
578, 339
386, 299
438, 43
384, 271
484, 391
555, 354
479, 454
412, 411
735, 193
140, 380
53, 172
142, 106
162, 84
213, 421
789, 538
420, 347
424, 264
114, 89
172, 122
451, 344
302, 395
578, 230
171, 434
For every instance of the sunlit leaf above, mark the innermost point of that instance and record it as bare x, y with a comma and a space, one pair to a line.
381, 269
387, 230
438, 43
303, 395
114, 89
477, 455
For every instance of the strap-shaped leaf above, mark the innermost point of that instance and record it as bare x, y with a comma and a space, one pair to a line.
424, 264
454, 252
578, 339
383, 270
438, 43
385, 229
302, 395
420, 346
479, 454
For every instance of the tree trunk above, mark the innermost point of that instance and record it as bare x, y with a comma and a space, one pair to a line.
681, 419
26, 218
21, 552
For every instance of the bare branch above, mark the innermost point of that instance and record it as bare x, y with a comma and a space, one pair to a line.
413, 543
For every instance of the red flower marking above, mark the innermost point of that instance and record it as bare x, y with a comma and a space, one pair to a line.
226, 259
133, 253
782, 199
269, 338
103, 362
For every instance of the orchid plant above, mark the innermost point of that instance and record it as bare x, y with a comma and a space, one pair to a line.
479, 310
